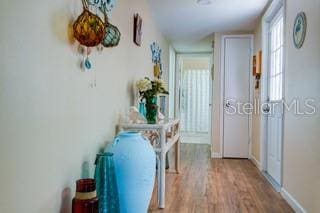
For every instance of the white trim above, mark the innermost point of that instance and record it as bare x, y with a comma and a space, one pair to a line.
264, 93
195, 55
255, 162
272, 11
221, 94
292, 202
171, 107
177, 86
216, 155
273, 183
222, 72
251, 94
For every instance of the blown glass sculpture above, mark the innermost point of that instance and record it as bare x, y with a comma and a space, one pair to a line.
112, 36
88, 29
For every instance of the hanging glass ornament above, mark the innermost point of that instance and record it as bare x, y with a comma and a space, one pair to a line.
112, 34
87, 63
88, 28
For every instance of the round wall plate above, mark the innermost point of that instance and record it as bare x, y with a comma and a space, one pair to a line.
299, 30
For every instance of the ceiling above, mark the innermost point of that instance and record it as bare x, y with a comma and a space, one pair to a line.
187, 24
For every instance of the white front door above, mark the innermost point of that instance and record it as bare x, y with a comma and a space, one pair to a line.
275, 98
237, 69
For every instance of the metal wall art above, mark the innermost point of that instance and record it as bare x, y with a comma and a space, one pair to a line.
107, 4
137, 29
156, 53
156, 59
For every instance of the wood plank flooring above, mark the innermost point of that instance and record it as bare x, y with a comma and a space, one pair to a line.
217, 185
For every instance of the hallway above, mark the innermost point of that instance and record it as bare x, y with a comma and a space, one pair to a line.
234, 83
218, 185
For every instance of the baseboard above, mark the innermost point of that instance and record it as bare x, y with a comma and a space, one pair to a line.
292, 202
273, 183
256, 162
216, 155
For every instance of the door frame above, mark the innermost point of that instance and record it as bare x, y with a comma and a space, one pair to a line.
179, 56
222, 92
172, 82
272, 11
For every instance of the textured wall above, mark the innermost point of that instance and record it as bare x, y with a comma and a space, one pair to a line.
301, 172
255, 138
51, 121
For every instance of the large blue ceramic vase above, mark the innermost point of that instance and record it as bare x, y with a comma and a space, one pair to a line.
135, 164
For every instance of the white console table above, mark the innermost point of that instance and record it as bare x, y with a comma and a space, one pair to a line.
163, 136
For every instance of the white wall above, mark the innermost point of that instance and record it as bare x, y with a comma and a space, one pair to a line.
301, 159
51, 120
216, 95
301, 172
255, 138
197, 62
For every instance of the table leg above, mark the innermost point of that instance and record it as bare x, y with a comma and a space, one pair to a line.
177, 156
162, 167
158, 178
162, 183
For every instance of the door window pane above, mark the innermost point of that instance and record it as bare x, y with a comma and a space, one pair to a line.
276, 59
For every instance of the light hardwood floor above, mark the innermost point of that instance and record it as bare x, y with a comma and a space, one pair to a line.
217, 185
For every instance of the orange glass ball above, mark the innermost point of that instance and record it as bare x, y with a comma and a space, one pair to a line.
88, 29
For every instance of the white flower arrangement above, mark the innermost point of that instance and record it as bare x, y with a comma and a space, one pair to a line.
144, 85
160, 82
150, 88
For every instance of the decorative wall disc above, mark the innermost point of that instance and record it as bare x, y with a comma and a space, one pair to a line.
299, 30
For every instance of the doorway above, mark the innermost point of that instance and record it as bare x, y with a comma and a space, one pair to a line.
235, 92
195, 97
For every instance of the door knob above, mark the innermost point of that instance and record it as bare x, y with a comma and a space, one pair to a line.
266, 109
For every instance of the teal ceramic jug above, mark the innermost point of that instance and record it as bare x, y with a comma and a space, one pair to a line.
107, 188
135, 164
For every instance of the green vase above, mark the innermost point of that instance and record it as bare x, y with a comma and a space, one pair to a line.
152, 109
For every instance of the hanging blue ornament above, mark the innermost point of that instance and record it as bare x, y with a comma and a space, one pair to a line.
87, 64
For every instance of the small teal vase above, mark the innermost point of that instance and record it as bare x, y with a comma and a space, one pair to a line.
106, 184
142, 108
135, 165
